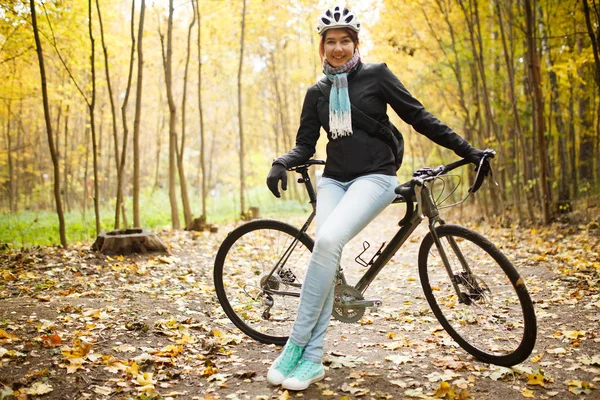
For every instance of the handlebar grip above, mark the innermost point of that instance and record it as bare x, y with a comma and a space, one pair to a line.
483, 169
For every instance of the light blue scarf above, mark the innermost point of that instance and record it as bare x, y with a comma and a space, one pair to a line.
340, 116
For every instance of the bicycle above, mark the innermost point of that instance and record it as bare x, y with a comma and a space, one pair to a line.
472, 288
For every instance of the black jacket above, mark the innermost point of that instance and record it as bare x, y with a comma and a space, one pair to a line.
371, 88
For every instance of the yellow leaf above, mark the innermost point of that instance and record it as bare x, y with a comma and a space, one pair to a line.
145, 379
171, 350
210, 370
444, 391
133, 369
527, 393
573, 334
580, 387
6, 335
284, 396
537, 358
80, 349
535, 379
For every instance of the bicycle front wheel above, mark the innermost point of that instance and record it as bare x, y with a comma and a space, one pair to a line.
258, 276
485, 305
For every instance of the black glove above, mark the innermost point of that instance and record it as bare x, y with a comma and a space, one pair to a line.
475, 156
276, 174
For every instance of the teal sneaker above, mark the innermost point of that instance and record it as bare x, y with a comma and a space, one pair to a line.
306, 373
284, 364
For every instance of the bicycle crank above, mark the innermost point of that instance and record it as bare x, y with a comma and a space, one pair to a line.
349, 304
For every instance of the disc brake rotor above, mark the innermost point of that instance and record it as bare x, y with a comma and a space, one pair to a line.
345, 294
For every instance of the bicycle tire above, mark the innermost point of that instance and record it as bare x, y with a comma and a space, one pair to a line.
492, 278
244, 261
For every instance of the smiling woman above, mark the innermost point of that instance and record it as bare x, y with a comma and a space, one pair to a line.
359, 177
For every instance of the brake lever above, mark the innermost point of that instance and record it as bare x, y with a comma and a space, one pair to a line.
488, 153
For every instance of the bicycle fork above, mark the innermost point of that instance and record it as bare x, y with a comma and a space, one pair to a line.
466, 277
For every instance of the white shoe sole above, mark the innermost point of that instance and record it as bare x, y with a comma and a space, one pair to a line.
297, 384
275, 377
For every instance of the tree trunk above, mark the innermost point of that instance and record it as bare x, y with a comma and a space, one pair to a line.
91, 106
114, 119
160, 127
508, 58
56, 168
66, 169
12, 179
489, 127
136, 120
240, 119
561, 134
167, 60
187, 212
586, 144
201, 116
538, 104
123, 157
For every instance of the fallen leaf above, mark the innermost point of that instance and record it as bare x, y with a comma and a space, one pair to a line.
444, 391
573, 334
580, 387
145, 379
535, 379
7, 337
537, 358
527, 393
284, 396
80, 349
103, 390
39, 388
50, 341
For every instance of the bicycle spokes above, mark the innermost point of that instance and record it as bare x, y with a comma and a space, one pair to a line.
471, 290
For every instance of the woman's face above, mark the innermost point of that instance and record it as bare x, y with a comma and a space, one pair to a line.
339, 47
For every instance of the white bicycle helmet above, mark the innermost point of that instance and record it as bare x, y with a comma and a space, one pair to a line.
338, 17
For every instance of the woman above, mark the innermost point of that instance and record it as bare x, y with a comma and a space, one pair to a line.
358, 181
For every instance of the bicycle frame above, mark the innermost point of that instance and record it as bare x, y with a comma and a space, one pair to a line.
425, 208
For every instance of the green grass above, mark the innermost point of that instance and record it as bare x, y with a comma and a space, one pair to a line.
31, 228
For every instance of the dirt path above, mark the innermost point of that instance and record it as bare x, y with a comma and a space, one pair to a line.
76, 325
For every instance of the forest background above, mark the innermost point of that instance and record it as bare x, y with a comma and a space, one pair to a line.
151, 113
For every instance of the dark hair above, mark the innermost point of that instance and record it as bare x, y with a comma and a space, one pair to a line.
353, 35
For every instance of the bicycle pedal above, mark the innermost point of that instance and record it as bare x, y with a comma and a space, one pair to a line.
376, 305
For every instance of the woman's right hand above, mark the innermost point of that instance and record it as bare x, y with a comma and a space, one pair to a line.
276, 174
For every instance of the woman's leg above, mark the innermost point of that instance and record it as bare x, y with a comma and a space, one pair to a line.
343, 218
329, 194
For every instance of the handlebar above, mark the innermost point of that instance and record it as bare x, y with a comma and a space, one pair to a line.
482, 171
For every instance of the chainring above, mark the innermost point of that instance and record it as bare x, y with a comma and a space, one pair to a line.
344, 294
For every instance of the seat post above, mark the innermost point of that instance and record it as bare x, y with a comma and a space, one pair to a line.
305, 178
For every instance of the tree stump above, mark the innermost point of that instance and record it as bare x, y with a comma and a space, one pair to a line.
200, 225
128, 241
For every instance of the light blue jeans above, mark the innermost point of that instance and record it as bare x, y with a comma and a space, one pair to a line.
343, 210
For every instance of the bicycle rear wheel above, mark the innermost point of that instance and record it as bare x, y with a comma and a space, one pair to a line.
493, 317
261, 304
